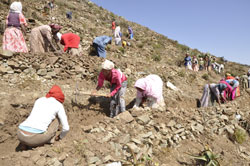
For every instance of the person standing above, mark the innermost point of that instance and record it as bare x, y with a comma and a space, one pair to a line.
118, 35
13, 39
113, 26
130, 32
188, 62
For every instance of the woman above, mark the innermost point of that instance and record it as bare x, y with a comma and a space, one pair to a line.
188, 62
118, 37
71, 43
211, 93
41, 125
118, 83
235, 87
150, 89
195, 64
41, 38
100, 44
13, 39
130, 32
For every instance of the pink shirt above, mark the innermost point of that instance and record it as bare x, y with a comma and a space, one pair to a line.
152, 86
117, 77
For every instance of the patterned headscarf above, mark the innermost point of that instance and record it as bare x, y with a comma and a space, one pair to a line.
55, 27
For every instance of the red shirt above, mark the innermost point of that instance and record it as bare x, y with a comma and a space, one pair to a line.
70, 40
113, 25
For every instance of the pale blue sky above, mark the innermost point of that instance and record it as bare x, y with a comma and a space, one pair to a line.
220, 27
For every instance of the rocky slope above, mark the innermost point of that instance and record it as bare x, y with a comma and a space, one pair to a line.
162, 137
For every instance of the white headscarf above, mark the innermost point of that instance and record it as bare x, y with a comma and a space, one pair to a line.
16, 7
59, 35
108, 65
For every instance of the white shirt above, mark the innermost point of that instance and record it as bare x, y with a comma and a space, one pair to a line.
44, 111
117, 32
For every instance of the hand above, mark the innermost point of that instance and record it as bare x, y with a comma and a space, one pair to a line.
108, 95
57, 138
93, 93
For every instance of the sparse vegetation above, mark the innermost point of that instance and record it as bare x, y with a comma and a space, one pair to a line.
181, 73
207, 158
205, 76
156, 58
240, 136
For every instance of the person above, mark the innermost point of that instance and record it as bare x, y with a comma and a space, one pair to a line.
117, 34
227, 91
130, 32
71, 43
201, 67
13, 39
207, 63
118, 83
211, 93
195, 64
100, 44
41, 38
41, 125
124, 44
113, 26
235, 87
248, 74
188, 63
244, 82
149, 89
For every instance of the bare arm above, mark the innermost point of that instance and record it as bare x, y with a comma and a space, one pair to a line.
23, 28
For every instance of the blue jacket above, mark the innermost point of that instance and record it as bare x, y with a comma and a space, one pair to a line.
100, 45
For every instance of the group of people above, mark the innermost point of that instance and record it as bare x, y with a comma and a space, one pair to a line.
46, 38
41, 38
199, 64
226, 90
100, 42
42, 124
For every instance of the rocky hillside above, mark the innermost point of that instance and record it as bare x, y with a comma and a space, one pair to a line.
158, 137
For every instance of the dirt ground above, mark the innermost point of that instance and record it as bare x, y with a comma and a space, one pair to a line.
161, 137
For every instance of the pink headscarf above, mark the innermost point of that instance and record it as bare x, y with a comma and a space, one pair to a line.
152, 86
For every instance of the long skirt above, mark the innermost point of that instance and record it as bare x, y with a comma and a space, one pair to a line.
208, 98
117, 104
13, 40
38, 43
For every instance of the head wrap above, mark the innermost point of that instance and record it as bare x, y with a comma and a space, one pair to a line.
222, 86
57, 93
140, 83
108, 65
59, 35
55, 27
16, 7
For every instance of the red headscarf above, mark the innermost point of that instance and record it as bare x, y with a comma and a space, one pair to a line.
57, 93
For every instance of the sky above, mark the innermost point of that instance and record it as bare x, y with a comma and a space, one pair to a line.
220, 27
